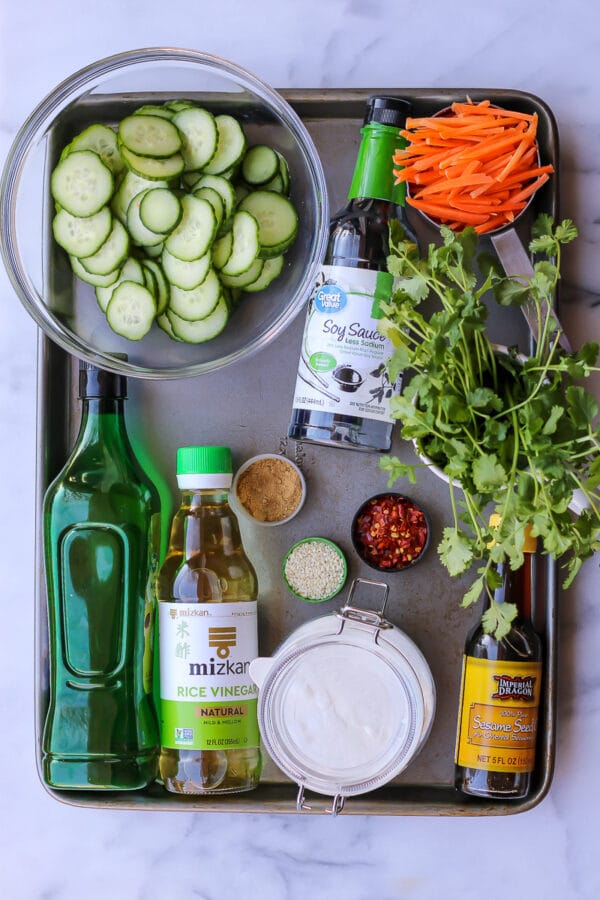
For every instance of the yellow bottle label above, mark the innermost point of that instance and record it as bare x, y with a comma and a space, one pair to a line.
497, 727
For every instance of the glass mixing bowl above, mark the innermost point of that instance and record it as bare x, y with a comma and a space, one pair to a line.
106, 91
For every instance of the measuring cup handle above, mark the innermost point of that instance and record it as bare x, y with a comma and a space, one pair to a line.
516, 263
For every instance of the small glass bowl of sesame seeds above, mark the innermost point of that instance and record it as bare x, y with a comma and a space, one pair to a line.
390, 532
314, 569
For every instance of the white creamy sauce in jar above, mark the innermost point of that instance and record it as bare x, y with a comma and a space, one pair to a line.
343, 706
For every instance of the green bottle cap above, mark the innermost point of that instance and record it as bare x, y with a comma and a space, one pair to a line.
204, 461
374, 171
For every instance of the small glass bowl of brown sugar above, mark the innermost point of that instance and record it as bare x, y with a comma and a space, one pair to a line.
268, 489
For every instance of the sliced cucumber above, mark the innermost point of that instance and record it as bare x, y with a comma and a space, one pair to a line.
201, 330
247, 277
160, 210
154, 250
271, 269
284, 172
246, 244
215, 200
200, 136
164, 322
111, 254
131, 270
277, 221
151, 110
98, 281
81, 183
230, 148
82, 237
129, 187
131, 310
185, 274
197, 303
103, 141
221, 250
275, 184
163, 288
140, 235
260, 164
152, 168
196, 230
227, 192
151, 136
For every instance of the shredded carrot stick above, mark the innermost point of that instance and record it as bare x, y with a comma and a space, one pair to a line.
475, 164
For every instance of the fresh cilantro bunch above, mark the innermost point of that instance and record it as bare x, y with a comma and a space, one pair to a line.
516, 436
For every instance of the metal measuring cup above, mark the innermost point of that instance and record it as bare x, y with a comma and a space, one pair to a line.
514, 259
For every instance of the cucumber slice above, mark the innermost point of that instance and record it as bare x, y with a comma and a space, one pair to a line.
163, 322
277, 221
160, 210
151, 110
196, 230
202, 329
215, 200
81, 237
131, 310
138, 232
129, 187
260, 164
284, 172
81, 183
275, 184
163, 288
221, 250
227, 192
153, 251
111, 254
154, 169
103, 141
246, 278
98, 281
246, 244
231, 145
197, 303
270, 271
131, 270
200, 136
185, 274
149, 136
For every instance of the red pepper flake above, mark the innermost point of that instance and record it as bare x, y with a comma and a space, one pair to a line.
390, 532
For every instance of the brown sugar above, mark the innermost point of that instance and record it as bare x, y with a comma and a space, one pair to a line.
269, 489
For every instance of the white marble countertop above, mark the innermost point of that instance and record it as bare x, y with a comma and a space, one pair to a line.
57, 852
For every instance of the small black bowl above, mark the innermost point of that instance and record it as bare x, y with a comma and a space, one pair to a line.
395, 519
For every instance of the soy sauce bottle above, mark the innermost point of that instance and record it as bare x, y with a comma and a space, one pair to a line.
497, 727
343, 392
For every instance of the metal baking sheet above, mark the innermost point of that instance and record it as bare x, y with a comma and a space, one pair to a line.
247, 406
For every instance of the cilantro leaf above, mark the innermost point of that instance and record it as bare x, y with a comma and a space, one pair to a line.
455, 551
498, 618
488, 473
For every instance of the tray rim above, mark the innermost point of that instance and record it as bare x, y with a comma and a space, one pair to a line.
444, 799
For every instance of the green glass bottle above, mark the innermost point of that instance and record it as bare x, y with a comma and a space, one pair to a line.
102, 545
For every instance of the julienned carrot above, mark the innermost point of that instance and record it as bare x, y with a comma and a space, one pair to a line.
476, 165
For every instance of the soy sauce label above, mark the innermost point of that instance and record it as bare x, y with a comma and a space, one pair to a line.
343, 361
498, 715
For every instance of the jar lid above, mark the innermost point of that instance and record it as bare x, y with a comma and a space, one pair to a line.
346, 702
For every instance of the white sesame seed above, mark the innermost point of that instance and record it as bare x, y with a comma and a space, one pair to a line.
314, 570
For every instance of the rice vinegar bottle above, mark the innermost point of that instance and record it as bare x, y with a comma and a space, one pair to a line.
207, 592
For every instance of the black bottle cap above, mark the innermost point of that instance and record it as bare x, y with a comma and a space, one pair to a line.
387, 110
98, 383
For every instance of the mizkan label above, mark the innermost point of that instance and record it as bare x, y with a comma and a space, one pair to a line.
498, 715
208, 700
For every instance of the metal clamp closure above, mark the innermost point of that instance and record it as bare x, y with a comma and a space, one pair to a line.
368, 617
336, 806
